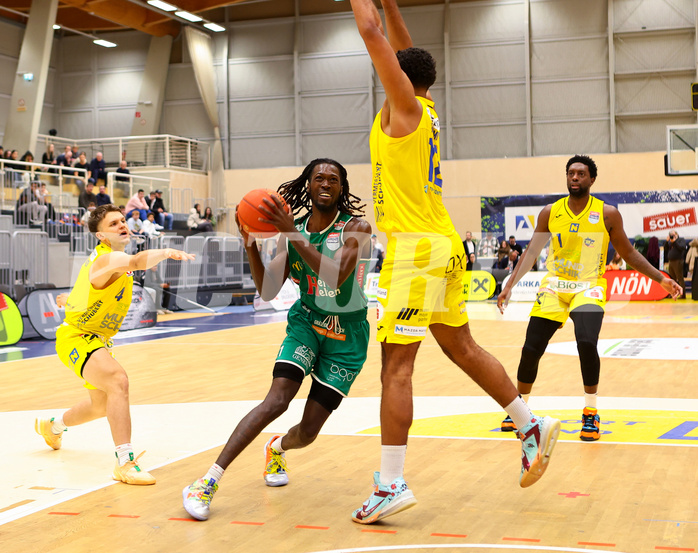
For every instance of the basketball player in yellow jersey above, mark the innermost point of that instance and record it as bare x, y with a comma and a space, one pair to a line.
579, 228
421, 284
95, 309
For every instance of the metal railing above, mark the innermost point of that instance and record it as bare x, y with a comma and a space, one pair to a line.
158, 150
6, 276
29, 256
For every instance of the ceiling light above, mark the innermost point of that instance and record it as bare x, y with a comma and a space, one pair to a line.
164, 6
189, 16
215, 27
105, 43
56, 27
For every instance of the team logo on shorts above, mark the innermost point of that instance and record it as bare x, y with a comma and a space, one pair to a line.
595, 293
594, 217
305, 355
332, 241
411, 330
74, 356
342, 374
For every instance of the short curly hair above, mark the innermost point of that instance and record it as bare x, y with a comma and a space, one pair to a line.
584, 160
98, 215
418, 65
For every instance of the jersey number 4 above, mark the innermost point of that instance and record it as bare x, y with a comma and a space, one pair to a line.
120, 294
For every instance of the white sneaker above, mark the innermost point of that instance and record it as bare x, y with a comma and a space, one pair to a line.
196, 499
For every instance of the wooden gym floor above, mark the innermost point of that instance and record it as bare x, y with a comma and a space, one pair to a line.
634, 491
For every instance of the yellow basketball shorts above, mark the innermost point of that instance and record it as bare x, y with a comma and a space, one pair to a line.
556, 297
421, 283
74, 348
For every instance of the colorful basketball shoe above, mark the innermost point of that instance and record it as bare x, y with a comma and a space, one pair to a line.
590, 425
538, 439
508, 425
131, 473
43, 428
275, 471
196, 499
385, 501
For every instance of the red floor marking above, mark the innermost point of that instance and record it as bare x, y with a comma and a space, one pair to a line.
674, 548
248, 523
439, 535
41, 488
62, 513
574, 494
371, 531
596, 543
124, 516
184, 519
522, 539
304, 527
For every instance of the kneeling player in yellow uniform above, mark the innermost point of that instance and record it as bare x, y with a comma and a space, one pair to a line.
579, 228
95, 308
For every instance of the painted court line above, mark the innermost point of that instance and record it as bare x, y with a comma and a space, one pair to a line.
19, 504
599, 544
416, 547
247, 523
305, 527
439, 535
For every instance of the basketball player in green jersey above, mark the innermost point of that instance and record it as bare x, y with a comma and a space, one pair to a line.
95, 309
421, 282
579, 228
327, 332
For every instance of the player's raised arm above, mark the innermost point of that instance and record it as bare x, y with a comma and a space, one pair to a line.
614, 224
398, 35
530, 255
108, 267
399, 90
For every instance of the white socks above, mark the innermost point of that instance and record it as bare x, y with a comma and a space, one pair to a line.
215, 472
590, 400
519, 412
392, 463
276, 445
124, 453
58, 426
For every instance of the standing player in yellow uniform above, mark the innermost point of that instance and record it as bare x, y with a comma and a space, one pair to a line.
95, 308
579, 228
420, 285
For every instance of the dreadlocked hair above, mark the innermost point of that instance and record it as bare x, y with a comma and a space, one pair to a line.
295, 192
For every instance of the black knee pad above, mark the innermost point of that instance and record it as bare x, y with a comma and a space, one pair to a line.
286, 370
590, 363
325, 396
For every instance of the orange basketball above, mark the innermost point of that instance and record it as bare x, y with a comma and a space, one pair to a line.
249, 213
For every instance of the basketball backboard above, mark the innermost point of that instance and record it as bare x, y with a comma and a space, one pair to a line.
681, 150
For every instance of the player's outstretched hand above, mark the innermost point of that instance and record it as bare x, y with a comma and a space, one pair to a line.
503, 300
179, 255
246, 238
61, 300
672, 287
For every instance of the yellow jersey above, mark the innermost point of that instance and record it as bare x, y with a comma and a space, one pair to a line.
579, 243
407, 187
98, 311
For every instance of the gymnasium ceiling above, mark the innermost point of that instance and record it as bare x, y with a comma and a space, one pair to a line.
91, 16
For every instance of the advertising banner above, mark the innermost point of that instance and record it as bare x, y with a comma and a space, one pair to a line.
43, 313
283, 301
478, 285
142, 313
526, 288
633, 286
11, 325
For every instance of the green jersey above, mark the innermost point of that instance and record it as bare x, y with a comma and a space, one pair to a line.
315, 293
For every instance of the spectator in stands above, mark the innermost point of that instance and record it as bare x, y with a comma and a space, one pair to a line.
675, 253
513, 260
75, 151
514, 246
150, 199
210, 217
124, 170
616, 264
2, 152
377, 252
135, 224
196, 223
488, 246
138, 202
27, 170
122, 208
152, 280
48, 157
44, 198
103, 198
81, 163
87, 196
653, 251
469, 244
28, 207
502, 256
150, 227
98, 168
473, 264
86, 217
161, 216
66, 160
691, 256
14, 170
